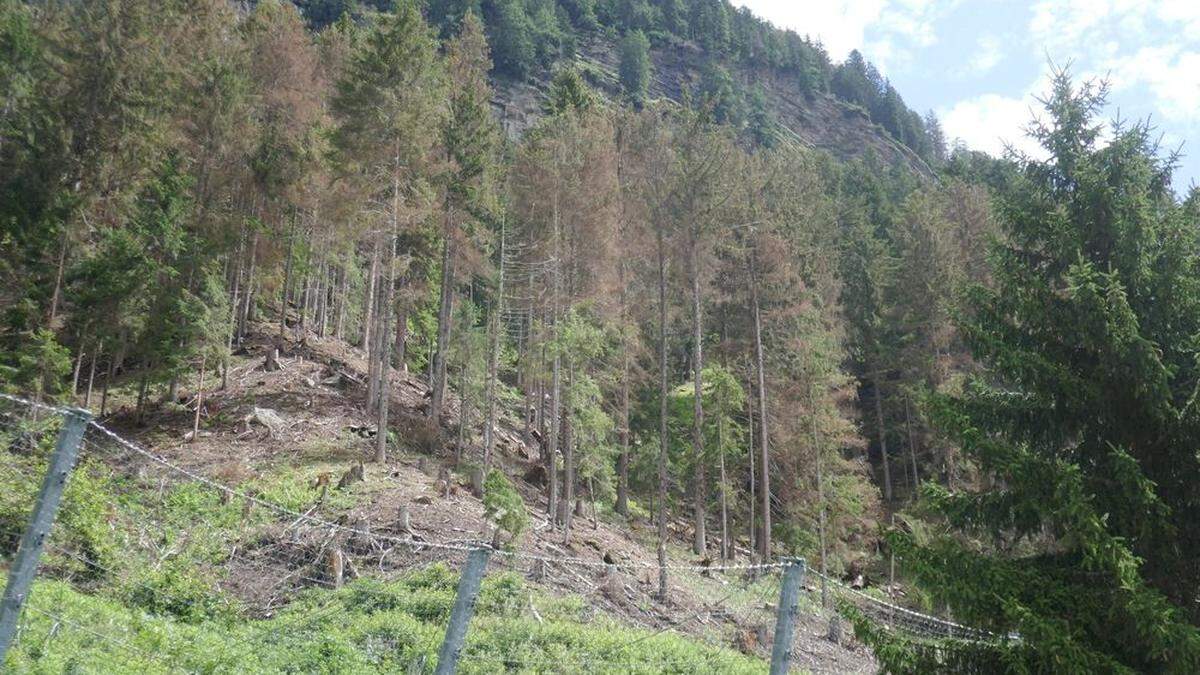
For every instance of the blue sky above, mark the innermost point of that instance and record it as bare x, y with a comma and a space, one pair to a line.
979, 63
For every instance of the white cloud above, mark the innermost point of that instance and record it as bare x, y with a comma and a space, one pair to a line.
988, 53
839, 24
990, 121
1170, 73
1148, 50
898, 26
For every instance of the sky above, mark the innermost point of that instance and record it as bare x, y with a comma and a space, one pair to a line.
980, 64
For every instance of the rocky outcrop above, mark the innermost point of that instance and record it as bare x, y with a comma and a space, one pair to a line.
819, 121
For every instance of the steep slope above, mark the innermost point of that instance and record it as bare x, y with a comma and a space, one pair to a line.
277, 433
820, 121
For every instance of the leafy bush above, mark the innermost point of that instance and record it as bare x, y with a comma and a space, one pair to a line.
502, 504
180, 591
369, 626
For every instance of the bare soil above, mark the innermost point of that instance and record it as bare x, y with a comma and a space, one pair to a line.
318, 398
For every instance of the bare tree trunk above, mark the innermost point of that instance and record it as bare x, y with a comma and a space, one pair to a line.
371, 328
623, 431
369, 303
464, 397
287, 276
764, 541
489, 429
383, 388
445, 306
306, 296
58, 277
385, 313
248, 305
87, 399
725, 547
321, 296
568, 444
662, 417
233, 314
199, 400
140, 413
112, 366
816, 441
700, 487
883, 450
912, 447
556, 370
400, 349
339, 328
77, 369
753, 477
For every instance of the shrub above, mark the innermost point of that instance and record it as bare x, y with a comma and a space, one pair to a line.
503, 506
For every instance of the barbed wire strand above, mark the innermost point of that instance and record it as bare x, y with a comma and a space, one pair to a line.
945, 626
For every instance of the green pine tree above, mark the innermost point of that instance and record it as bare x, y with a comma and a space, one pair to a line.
1085, 417
635, 65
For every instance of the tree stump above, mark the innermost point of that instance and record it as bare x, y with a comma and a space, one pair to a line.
405, 525
353, 475
336, 567
271, 363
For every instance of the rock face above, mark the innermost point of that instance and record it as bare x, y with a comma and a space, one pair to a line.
820, 121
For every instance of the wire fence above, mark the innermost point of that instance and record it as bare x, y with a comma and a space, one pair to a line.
149, 553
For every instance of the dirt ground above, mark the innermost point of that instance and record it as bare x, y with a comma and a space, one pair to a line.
314, 420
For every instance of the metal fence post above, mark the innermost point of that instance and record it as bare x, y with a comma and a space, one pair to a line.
464, 607
25, 563
785, 623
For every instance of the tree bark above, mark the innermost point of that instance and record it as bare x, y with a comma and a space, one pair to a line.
87, 399
725, 547
199, 400
247, 304
369, 302
56, 296
445, 306
343, 288
753, 477
371, 327
489, 429
400, 349
882, 435
662, 416
78, 367
699, 494
231, 329
287, 276
764, 540
568, 445
385, 313
816, 441
912, 447
623, 431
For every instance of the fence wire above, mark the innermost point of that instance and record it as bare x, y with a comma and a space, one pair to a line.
283, 552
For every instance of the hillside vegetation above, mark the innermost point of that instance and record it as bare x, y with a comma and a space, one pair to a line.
566, 263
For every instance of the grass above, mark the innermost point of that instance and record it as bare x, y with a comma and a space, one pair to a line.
154, 604
366, 627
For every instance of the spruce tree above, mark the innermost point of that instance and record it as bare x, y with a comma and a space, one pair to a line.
635, 65
1084, 416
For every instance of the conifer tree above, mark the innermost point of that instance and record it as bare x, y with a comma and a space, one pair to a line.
635, 65
469, 138
386, 98
1084, 542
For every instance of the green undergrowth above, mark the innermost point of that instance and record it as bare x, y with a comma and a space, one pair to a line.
366, 627
150, 601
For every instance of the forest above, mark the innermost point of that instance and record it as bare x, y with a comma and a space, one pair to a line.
986, 376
